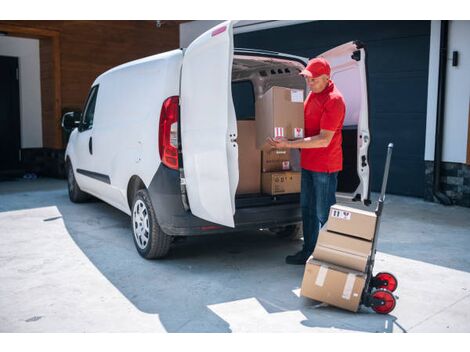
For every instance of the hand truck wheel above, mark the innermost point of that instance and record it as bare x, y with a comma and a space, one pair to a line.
382, 301
385, 280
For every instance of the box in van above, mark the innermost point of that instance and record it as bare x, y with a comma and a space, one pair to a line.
279, 113
276, 160
283, 182
249, 159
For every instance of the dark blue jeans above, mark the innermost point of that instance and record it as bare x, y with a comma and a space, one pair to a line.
317, 196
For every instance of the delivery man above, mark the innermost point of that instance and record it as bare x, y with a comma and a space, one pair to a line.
321, 152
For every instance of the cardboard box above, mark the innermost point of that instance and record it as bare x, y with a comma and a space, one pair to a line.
280, 182
351, 221
279, 113
346, 251
275, 160
333, 285
249, 159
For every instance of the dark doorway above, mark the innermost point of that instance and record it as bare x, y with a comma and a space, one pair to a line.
10, 142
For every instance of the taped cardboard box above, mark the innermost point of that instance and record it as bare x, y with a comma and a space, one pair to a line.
275, 160
334, 285
279, 113
280, 182
346, 251
351, 221
249, 159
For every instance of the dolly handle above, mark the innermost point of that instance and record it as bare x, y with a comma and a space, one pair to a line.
387, 168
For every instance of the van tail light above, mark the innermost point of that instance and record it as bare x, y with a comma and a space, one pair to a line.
168, 132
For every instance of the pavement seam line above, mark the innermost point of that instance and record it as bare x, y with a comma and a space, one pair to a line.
439, 312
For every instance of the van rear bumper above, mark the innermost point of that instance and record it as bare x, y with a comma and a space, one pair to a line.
165, 194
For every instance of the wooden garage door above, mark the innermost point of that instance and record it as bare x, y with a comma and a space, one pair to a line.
397, 60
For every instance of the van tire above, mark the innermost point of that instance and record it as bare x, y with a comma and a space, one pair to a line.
76, 195
289, 232
149, 239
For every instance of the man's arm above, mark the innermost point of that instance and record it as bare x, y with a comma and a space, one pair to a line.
321, 140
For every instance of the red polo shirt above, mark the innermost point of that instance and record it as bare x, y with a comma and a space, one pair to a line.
324, 111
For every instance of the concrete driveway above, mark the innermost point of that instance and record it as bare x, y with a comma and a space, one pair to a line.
73, 268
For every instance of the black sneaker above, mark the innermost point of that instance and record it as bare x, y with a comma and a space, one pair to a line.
299, 258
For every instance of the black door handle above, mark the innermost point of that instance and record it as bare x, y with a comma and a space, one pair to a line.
90, 145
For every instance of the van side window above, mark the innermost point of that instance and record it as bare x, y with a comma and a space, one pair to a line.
244, 100
89, 112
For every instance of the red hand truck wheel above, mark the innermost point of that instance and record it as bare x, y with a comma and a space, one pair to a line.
382, 301
386, 280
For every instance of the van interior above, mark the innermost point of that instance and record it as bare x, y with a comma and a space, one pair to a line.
254, 75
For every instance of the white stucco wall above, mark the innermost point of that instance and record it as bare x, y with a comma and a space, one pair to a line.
458, 94
457, 98
27, 50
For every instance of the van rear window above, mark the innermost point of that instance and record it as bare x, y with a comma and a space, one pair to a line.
244, 100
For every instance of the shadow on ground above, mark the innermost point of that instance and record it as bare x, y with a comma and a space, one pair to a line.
200, 272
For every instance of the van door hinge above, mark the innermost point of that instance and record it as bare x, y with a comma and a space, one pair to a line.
233, 139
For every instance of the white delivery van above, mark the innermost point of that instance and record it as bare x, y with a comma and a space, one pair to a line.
157, 139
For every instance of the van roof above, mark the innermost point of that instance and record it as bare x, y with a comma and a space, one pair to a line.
131, 64
178, 52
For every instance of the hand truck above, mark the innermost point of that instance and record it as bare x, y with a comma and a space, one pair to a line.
378, 289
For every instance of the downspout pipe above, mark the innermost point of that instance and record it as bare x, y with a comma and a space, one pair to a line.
441, 92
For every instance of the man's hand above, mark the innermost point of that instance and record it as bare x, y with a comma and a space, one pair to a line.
278, 143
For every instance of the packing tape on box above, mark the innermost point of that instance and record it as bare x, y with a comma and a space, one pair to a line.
321, 276
348, 286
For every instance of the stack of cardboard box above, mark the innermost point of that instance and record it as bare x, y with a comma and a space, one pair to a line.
336, 271
279, 113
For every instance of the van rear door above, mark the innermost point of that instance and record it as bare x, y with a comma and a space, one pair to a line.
209, 127
348, 72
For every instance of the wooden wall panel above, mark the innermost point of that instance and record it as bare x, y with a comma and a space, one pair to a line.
87, 49
47, 93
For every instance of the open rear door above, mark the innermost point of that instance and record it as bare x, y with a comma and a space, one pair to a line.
209, 126
348, 71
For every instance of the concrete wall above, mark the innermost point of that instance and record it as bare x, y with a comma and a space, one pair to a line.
191, 30
27, 50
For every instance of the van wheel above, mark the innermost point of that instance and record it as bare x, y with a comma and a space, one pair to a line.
290, 232
76, 195
149, 239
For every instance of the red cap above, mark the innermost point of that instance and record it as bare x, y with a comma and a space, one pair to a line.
317, 67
